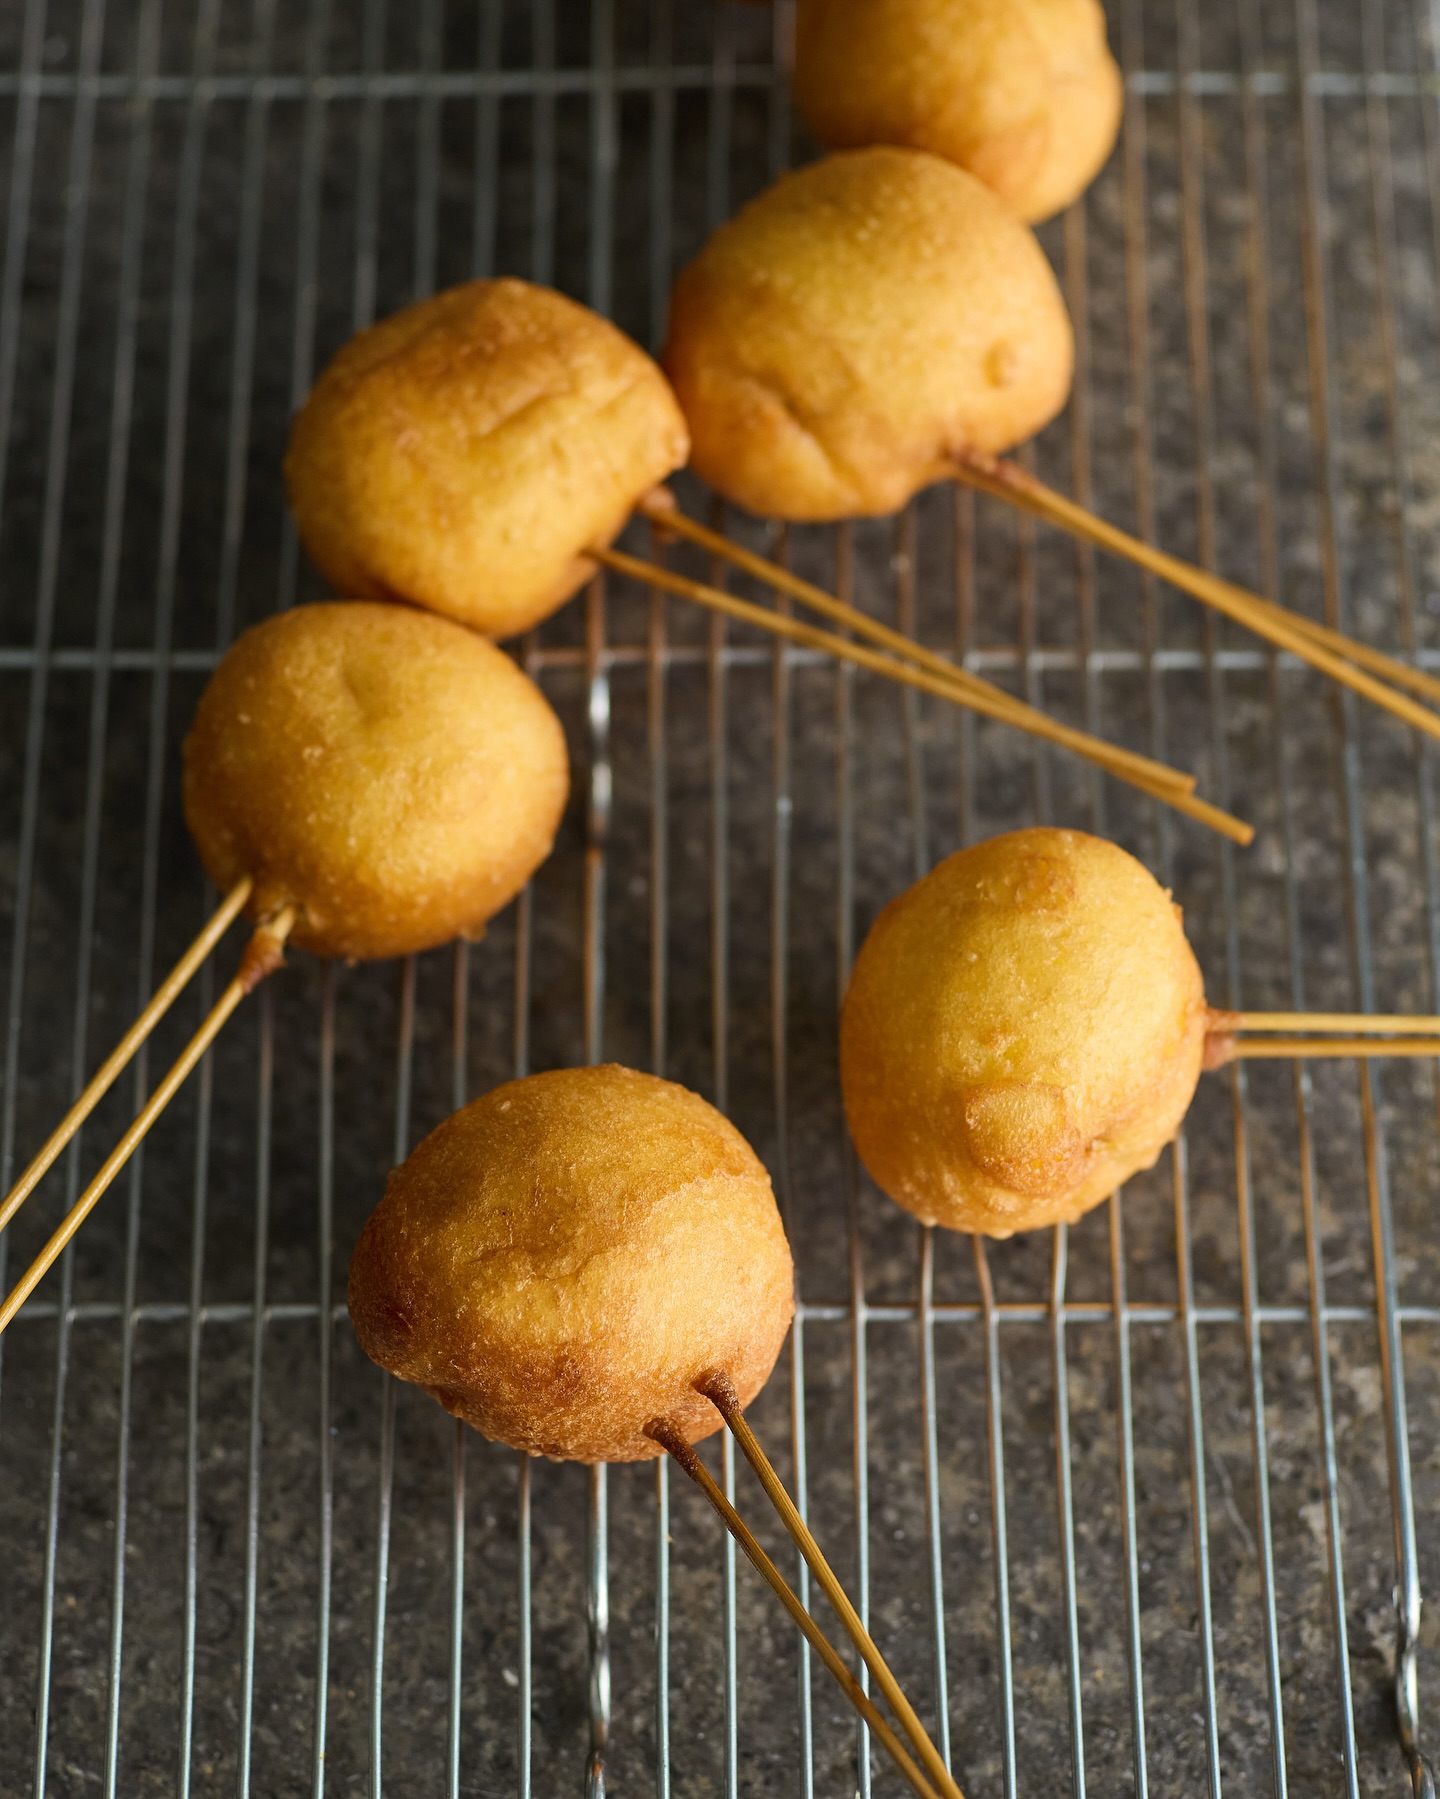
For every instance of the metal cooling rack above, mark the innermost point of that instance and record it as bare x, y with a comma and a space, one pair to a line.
1142, 1507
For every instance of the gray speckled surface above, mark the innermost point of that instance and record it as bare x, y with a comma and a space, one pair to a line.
263, 214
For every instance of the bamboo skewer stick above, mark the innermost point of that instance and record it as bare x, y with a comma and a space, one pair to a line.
670, 1439
263, 954
1357, 1034
1356, 1023
1005, 480
115, 1063
666, 517
1242, 1049
719, 1390
1389, 668
841, 648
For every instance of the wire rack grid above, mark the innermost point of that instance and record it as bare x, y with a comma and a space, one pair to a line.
1144, 1505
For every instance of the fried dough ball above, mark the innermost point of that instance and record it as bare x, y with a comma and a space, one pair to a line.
841, 339
1023, 93
390, 774
1024, 1030
563, 1259
464, 454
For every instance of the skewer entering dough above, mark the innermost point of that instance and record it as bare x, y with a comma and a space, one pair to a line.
1025, 1029
562, 1260
836, 343
466, 452
364, 780
878, 321
395, 778
589, 1264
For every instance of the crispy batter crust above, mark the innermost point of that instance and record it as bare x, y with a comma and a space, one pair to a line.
561, 1260
850, 331
463, 454
392, 775
1023, 1031
1023, 93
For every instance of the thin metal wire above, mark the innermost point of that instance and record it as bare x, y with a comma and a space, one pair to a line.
906, 560
457, 1606
1077, 299
56, 468
662, 1627
1137, 319
307, 250
1314, 240
487, 141
459, 1093
117, 464
385, 1498
597, 1618
1064, 1481
999, 1518
199, 1215
12, 278
731, 1615
930, 1423
1195, 284
657, 662
1258, 306
33, 84
604, 152
52, 1525
1125, 1432
542, 224
302, 352
719, 122
262, 26
1007, 1312
1199, 1501
526, 1636
242, 361
1046, 659
860, 1448
1399, 438
782, 806
597, 1598
407, 84
324, 1350
662, 166
855, 1310
464, 84
263, 1129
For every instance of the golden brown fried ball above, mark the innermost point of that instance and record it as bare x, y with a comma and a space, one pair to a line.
841, 339
1023, 93
390, 774
562, 1260
1024, 1030
464, 454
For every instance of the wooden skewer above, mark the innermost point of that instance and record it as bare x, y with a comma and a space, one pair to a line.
841, 648
661, 510
665, 1433
111, 1068
263, 954
720, 1391
1241, 1049
1389, 668
1007, 481
1355, 1023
